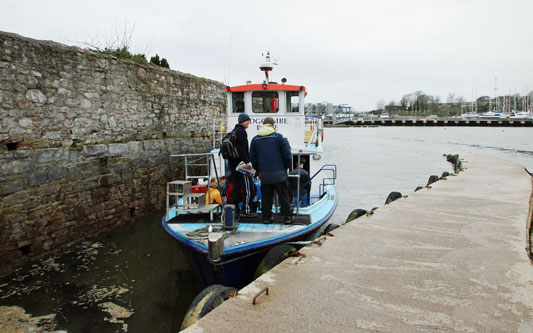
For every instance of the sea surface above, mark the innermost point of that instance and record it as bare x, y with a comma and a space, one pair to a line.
137, 279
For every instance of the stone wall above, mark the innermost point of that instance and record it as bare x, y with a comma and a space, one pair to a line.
85, 140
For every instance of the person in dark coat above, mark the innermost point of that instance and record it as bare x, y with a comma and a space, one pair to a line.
305, 185
240, 181
270, 154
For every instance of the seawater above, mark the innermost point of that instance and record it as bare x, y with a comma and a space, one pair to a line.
141, 269
374, 161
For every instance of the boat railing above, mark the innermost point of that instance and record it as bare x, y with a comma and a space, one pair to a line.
326, 180
219, 130
313, 131
192, 162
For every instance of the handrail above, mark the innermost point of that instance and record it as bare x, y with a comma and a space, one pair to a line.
326, 180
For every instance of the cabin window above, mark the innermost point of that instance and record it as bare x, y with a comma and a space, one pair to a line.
238, 102
293, 101
265, 101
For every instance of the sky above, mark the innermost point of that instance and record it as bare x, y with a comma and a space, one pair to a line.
344, 52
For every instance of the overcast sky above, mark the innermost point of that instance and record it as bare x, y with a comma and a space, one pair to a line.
345, 52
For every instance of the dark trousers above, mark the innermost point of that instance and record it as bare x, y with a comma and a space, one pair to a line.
241, 182
267, 197
303, 198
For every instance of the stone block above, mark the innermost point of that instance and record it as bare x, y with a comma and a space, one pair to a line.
127, 175
37, 179
150, 145
58, 174
107, 180
22, 154
161, 159
135, 147
118, 149
94, 150
15, 167
17, 198
36, 96
89, 184
117, 167
48, 189
9, 186
73, 173
52, 155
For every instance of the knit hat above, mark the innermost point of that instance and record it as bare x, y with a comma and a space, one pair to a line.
243, 117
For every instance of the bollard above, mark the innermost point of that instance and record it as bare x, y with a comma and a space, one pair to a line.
215, 246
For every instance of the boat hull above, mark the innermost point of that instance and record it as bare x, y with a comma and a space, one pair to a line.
239, 263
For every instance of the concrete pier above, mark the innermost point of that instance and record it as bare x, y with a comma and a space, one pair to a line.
448, 258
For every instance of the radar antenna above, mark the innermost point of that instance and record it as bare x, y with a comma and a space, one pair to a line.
267, 66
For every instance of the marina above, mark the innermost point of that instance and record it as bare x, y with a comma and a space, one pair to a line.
423, 121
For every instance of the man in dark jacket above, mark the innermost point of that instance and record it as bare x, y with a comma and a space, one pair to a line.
241, 181
270, 154
305, 185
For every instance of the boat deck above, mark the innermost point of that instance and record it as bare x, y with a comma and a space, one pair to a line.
204, 218
449, 258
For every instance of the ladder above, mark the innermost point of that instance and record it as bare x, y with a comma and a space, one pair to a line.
180, 197
219, 131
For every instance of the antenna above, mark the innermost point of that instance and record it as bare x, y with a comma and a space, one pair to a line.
267, 66
495, 94
229, 56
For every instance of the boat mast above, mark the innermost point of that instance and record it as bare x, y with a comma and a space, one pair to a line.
266, 67
495, 94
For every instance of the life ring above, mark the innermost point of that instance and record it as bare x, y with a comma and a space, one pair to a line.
273, 257
207, 300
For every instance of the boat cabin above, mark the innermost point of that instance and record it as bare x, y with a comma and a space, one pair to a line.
281, 101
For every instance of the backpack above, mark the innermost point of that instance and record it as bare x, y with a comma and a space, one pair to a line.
228, 147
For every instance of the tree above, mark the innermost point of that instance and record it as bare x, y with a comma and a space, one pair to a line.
380, 105
156, 61
164, 63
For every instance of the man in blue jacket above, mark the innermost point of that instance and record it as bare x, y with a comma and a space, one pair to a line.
270, 154
241, 181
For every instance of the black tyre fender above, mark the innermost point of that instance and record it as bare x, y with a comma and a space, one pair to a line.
392, 197
331, 227
432, 179
207, 300
356, 213
318, 232
273, 257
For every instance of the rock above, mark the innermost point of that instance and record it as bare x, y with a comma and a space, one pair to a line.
116, 311
15, 319
35, 95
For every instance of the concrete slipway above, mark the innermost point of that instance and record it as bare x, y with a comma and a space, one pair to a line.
448, 258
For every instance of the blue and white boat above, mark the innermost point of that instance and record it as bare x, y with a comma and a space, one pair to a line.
229, 252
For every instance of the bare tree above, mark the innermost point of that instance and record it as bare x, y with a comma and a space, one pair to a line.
380, 105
